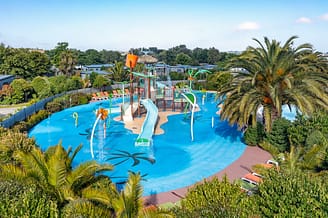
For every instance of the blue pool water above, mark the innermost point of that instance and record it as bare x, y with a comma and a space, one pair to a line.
173, 161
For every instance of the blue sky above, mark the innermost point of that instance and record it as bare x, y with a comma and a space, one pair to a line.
124, 24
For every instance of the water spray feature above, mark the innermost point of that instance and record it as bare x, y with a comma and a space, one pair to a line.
76, 117
101, 114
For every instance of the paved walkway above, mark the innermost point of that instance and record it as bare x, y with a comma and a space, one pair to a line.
251, 156
6, 111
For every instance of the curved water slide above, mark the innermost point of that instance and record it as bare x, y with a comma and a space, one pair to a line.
191, 99
148, 126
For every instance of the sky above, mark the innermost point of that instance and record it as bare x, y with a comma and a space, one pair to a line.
228, 25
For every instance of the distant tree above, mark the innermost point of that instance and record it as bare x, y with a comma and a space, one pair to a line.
74, 82
100, 81
21, 90
93, 76
167, 56
184, 59
92, 56
42, 87
58, 84
67, 62
110, 56
55, 53
213, 55
24, 63
118, 73
200, 55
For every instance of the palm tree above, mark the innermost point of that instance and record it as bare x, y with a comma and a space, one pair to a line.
67, 62
52, 171
128, 202
275, 75
118, 73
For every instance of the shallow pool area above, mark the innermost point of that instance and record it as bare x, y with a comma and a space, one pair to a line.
172, 161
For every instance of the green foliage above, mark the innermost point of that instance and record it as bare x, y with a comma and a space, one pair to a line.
218, 80
74, 82
128, 202
42, 87
274, 75
254, 135
67, 61
58, 84
273, 150
178, 76
119, 74
278, 137
93, 76
36, 118
25, 200
24, 63
54, 106
183, 59
52, 171
21, 89
292, 194
315, 138
79, 98
12, 141
100, 81
83, 208
303, 127
216, 199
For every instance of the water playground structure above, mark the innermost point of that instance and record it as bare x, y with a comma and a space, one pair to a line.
195, 143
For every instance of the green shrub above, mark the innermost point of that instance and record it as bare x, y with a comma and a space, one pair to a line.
25, 200
292, 194
11, 141
79, 98
254, 135
83, 208
36, 118
54, 106
278, 136
315, 138
215, 199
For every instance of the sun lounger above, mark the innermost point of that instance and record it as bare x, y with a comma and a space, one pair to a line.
103, 96
126, 91
120, 92
115, 93
257, 178
95, 97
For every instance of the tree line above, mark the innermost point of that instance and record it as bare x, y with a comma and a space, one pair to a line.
29, 63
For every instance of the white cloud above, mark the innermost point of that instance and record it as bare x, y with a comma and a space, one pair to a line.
303, 20
324, 17
248, 26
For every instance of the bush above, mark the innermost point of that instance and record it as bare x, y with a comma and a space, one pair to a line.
292, 194
215, 199
36, 118
11, 141
25, 200
278, 136
54, 106
254, 135
79, 98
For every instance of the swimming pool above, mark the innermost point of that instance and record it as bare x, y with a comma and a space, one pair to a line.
173, 161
